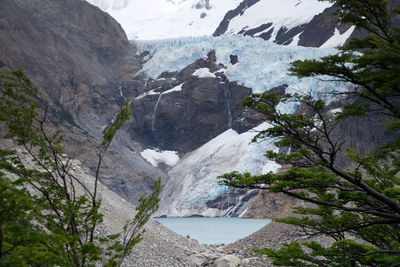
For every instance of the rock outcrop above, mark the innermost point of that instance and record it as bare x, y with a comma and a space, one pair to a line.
223, 26
183, 110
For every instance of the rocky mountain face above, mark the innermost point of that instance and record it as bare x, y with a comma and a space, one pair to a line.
183, 110
82, 62
314, 32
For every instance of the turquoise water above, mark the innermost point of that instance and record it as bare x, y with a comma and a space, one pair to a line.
214, 230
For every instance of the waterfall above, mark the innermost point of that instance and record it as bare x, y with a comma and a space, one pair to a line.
120, 89
238, 204
153, 116
228, 97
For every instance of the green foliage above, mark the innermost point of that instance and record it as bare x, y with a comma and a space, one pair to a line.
63, 115
374, 72
341, 253
56, 221
22, 242
358, 207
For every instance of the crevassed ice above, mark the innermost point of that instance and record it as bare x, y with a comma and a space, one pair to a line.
262, 65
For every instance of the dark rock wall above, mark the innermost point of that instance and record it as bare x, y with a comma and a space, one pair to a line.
319, 29
184, 120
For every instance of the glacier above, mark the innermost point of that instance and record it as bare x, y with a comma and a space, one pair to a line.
193, 180
262, 65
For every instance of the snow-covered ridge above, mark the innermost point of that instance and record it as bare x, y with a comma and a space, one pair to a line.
204, 73
282, 13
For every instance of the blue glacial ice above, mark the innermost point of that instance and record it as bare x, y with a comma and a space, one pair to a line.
262, 65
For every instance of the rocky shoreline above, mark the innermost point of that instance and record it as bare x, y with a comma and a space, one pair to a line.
163, 247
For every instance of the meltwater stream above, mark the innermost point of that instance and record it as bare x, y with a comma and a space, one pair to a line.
214, 230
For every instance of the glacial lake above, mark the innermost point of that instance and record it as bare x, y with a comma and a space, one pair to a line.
213, 230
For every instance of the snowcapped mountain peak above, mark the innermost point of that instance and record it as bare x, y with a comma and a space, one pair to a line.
289, 22
160, 19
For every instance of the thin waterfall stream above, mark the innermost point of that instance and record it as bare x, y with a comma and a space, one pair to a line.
153, 116
228, 98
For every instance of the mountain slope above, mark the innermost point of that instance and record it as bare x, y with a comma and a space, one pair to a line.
80, 59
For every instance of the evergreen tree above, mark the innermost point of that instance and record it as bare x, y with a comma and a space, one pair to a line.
359, 206
48, 216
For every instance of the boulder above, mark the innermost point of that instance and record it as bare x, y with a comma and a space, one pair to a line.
228, 261
250, 262
197, 260
234, 59
210, 256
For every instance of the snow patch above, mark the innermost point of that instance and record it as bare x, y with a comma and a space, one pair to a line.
271, 166
151, 92
155, 157
203, 73
335, 111
296, 40
338, 39
175, 89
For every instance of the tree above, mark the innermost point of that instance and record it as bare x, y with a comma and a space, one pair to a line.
358, 206
48, 216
